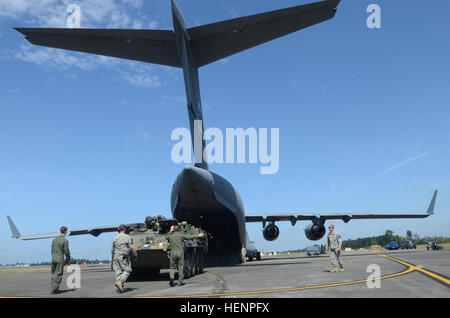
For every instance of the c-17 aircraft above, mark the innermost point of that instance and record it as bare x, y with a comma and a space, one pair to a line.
200, 196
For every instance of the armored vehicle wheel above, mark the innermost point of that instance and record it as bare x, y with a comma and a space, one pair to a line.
197, 265
192, 268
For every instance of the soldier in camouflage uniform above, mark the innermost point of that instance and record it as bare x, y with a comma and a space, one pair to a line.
122, 247
60, 247
176, 241
334, 244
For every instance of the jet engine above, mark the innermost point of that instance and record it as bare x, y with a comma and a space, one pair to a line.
315, 232
271, 232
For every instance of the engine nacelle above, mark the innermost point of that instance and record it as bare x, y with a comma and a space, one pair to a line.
271, 232
315, 232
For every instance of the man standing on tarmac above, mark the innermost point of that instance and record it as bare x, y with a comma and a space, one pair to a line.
122, 247
176, 241
334, 243
60, 247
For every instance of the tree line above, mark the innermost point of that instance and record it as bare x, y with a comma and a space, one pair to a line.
78, 261
389, 236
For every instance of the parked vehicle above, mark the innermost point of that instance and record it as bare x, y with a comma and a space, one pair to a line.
392, 246
314, 250
434, 246
408, 245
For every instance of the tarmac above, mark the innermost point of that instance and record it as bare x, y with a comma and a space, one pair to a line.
405, 273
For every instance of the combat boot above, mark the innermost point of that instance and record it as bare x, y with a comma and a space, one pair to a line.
334, 270
119, 286
171, 282
342, 269
181, 283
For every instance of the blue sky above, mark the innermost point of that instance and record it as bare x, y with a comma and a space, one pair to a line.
363, 116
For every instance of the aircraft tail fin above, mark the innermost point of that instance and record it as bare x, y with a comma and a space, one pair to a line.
14, 231
433, 201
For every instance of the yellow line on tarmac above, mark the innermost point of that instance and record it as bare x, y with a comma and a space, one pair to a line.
420, 269
410, 269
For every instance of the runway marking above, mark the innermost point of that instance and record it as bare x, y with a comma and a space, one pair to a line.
409, 268
285, 289
422, 270
220, 282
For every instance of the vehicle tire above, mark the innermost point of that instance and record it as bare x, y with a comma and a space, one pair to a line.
187, 265
196, 265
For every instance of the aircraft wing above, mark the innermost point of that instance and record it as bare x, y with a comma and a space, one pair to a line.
346, 217
216, 41
153, 46
95, 231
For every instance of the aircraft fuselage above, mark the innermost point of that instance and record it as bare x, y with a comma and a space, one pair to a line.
209, 201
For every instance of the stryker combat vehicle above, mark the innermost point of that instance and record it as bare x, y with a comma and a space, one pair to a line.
150, 241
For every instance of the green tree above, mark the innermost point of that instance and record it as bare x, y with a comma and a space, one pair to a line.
409, 235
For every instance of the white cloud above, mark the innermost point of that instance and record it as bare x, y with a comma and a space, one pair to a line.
52, 13
14, 91
140, 75
142, 79
153, 24
94, 14
407, 161
134, 3
49, 58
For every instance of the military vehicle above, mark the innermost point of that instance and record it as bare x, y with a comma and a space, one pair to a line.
434, 246
153, 248
314, 250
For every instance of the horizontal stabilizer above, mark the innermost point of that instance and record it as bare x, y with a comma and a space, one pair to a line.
216, 41
208, 43
152, 46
